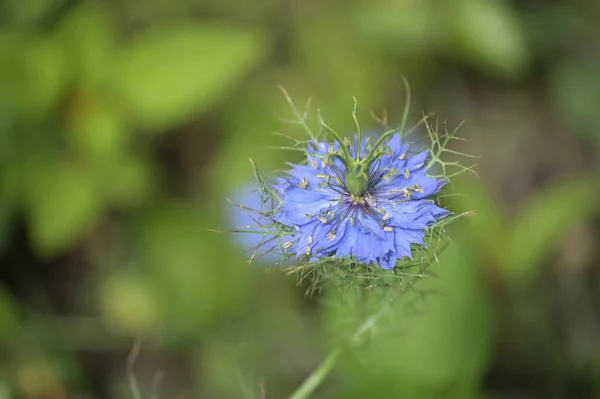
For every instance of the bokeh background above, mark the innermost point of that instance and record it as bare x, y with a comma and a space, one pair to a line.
125, 123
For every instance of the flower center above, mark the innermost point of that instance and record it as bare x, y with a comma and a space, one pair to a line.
357, 179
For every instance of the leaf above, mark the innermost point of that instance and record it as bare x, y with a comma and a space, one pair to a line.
96, 130
404, 28
194, 270
129, 303
128, 181
489, 35
27, 13
88, 35
33, 73
63, 205
167, 75
545, 220
576, 88
487, 227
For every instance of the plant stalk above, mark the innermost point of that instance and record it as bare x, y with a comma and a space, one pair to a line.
318, 376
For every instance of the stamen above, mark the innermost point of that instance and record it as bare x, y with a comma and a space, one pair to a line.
303, 183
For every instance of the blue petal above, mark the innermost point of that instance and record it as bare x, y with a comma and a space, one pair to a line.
370, 224
348, 243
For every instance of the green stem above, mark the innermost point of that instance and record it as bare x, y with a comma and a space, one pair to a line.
379, 141
318, 376
340, 141
407, 106
358, 133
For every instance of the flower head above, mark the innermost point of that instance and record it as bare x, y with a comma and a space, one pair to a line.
368, 202
247, 215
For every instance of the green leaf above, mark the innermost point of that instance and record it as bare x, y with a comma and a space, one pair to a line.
129, 303
5, 391
24, 13
577, 90
545, 220
63, 205
489, 35
404, 28
96, 130
88, 35
487, 227
194, 270
128, 181
33, 73
167, 75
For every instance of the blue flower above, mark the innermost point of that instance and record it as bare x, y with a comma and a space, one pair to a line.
247, 216
370, 204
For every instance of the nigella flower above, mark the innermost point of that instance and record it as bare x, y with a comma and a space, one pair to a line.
368, 203
247, 215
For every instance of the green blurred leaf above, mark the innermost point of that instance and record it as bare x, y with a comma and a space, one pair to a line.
194, 269
405, 28
21, 13
250, 121
96, 130
545, 220
99, 134
576, 88
130, 304
5, 391
166, 75
489, 35
88, 35
487, 227
63, 204
128, 181
331, 86
33, 72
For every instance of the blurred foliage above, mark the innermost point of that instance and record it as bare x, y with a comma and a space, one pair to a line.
125, 123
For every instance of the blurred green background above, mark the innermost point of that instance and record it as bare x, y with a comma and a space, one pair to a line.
125, 123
